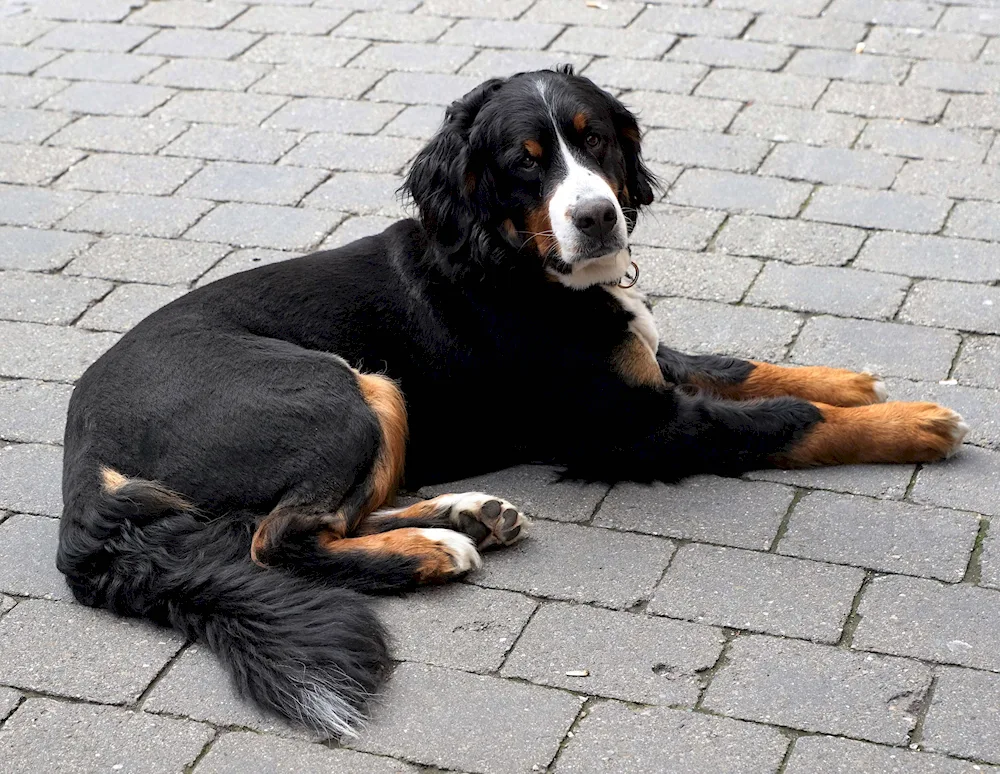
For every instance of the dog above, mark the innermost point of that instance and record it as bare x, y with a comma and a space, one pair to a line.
230, 463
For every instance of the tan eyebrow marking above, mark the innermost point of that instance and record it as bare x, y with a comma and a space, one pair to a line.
534, 148
580, 121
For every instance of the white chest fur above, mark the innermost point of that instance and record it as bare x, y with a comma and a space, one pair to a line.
642, 325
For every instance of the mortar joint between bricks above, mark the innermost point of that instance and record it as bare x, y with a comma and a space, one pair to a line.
792, 737
706, 676
854, 617
138, 703
599, 505
589, 703
962, 340
922, 708
516, 639
786, 519
189, 768
947, 217
974, 570
906, 296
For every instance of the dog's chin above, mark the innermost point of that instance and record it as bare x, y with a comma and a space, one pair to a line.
601, 270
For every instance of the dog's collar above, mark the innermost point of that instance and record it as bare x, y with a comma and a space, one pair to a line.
625, 281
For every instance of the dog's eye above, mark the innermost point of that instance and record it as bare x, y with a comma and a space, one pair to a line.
593, 140
528, 162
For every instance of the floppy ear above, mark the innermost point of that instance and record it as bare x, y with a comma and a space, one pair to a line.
639, 181
443, 180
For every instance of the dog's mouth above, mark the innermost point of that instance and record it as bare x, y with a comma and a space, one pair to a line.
595, 268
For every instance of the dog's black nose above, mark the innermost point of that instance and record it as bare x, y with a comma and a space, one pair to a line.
595, 217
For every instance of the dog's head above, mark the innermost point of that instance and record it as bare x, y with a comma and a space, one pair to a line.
546, 163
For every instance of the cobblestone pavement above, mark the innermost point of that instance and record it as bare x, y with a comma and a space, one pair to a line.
833, 197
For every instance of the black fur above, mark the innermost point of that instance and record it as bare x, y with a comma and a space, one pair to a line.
238, 397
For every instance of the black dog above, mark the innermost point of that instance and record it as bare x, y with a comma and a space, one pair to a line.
227, 460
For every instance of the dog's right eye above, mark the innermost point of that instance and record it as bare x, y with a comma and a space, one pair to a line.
528, 162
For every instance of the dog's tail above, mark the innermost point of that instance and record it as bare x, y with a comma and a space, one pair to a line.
312, 653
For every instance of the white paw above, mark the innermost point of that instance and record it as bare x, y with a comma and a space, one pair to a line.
489, 520
459, 547
958, 430
879, 388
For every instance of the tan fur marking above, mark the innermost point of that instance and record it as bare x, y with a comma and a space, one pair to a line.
636, 364
386, 400
540, 227
883, 432
434, 561
534, 148
112, 480
580, 121
820, 384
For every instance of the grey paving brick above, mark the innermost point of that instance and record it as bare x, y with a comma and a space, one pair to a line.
976, 220
127, 173
883, 481
990, 54
687, 228
414, 57
501, 34
30, 165
891, 210
793, 241
708, 327
833, 755
330, 115
481, 9
288, 19
568, 12
953, 305
902, 14
356, 228
24, 206
793, 7
946, 623
196, 686
677, 77
241, 260
973, 110
979, 362
967, 481
244, 752
705, 149
783, 124
977, 406
94, 36
848, 66
880, 347
956, 76
534, 489
208, 44
607, 41
681, 112
390, 26
49, 352
9, 699
304, 49
34, 250
458, 626
208, 74
137, 215
23, 61
628, 656
923, 44
232, 143
989, 561
963, 716
823, 289
833, 166
359, 193
19, 91
47, 735
703, 508
98, 10
259, 225
26, 542
7, 604
966, 181
731, 53
760, 592
881, 535
883, 101
796, 31
615, 737
739, 193
982, 20
353, 154
708, 276
101, 66
713, 22
44, 298
123, 135
493, 63
422, 88
819, 688
260, 183
187, 13
310, 81
70, 650
426, 720
117, 99
30, 126
220, 107
33, 411
21, 30
931, 256
126, 305
921, 141
29, 475
582, 564
756, 86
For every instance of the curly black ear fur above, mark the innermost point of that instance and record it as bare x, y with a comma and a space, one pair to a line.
443, 180
640, 183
